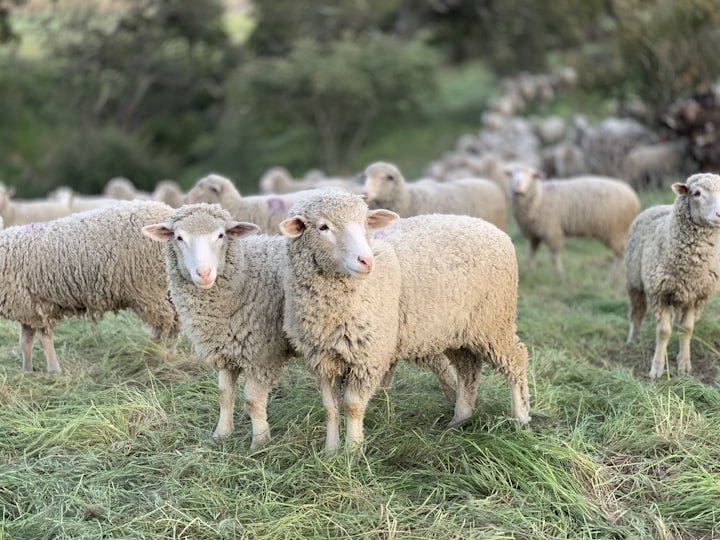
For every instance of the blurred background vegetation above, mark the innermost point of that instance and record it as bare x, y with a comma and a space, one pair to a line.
152, 89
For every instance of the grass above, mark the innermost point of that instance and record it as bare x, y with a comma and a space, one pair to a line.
120, 445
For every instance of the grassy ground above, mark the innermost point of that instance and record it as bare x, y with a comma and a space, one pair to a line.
120, 445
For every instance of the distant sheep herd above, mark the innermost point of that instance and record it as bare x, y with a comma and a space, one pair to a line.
356, 274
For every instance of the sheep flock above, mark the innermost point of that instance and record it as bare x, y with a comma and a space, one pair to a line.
356, 273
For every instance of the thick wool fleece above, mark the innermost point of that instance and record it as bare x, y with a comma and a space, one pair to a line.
266, 211
87, 264
476, 197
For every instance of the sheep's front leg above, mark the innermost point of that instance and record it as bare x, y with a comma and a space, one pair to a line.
47, 341
227, 378
256, 397
686, 322
662, 336
356, 400
27, 337
330, 392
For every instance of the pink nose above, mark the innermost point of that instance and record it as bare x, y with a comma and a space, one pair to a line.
367, 262
204, 273
365, 194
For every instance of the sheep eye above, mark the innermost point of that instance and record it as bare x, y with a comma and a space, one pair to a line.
221, 236
697, 193
179, 238
323, 227
390, 177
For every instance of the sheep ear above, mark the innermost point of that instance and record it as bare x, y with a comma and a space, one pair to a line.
240, 229
162, 232
680, 189
381, 219
293, 227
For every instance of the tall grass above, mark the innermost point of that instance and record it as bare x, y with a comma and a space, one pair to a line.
120, 445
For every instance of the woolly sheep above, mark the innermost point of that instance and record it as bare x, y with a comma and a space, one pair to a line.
77, 202
227, 289
15, 212
652, 164
586, 206
123, 189
266, 211
673, 265
386, 188
85, 264
355, 305
169, 192
278, 181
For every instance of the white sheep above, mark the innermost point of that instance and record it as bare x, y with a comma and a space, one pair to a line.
123, 189
584, 206
266, 211
85, 264
22, 212
673, 264
430, 285
386, 188
279, 181
227, 289
650, 165
169, 192
77, 202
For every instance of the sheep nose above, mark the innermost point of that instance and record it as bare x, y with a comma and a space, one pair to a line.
367, 262
365, 195
203, 273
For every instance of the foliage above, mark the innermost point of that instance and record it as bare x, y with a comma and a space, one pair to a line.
668, 49
330, 95
120, 446
86, 158
7, 33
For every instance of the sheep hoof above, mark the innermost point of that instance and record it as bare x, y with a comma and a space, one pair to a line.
459, 423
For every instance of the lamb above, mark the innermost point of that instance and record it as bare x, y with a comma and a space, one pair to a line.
15, 212
266, 211
386, 188
586, 206
354, 306
673, 264
227, 288
85, 264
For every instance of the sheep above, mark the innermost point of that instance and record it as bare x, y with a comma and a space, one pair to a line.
85, 264
227, 288
169, 192
432, 286
587, 206
77, 202
386, 188
15, 212
266, 211
650, 165
278, 181
123, 189
673, 264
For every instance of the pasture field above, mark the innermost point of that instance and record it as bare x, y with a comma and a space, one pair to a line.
119, 445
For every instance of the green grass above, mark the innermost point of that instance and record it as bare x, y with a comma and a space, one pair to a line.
120, 445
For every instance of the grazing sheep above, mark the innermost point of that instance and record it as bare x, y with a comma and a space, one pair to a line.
16, 212
266, 211
650, 165
431, 286
85, 264
673, 264
587, 206
227, 289
386, 188
169, 192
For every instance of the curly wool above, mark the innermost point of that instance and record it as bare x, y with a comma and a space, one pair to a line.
266, 211
86, 264
476, 197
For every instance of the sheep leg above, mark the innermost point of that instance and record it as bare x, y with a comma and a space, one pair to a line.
638, 307
46, 339
356, 400
520, 397
330, 392
387, 380
534, 246
443, 370
556, 256
227, 378
662, 336
27, 337
686, 324
256, 398
467, 367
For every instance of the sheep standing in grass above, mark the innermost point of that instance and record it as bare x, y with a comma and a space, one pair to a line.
431, 286
587, 206
85, 264
673, 264
386, 188
266, 211
227, 289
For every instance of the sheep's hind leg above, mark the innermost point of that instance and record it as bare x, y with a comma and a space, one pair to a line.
638, 307
467, 367
662, 336
685, 320
256, 398
27, 337
227, 378
443, 369
330, 392
46, 339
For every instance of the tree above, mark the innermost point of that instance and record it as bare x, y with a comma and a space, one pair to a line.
332, 93
6, 31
